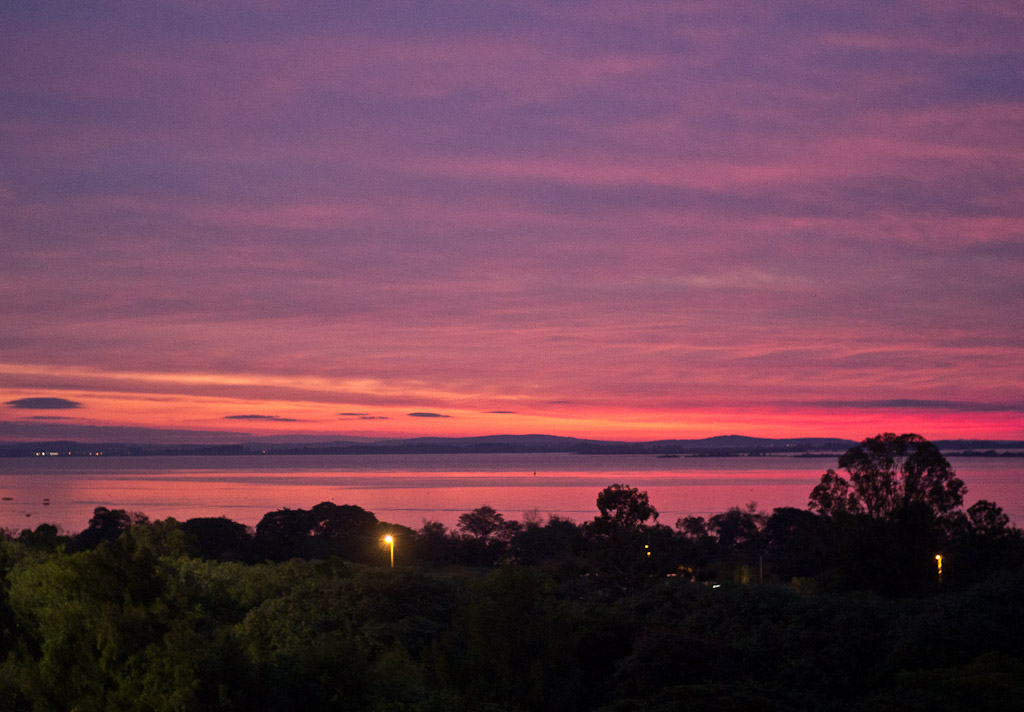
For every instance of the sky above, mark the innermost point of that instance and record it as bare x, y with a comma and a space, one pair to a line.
633, 221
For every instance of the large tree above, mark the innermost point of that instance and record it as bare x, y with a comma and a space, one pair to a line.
484, 523
624, 507
889, 475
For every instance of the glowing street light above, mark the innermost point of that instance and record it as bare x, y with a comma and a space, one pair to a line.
938, 561
390, 541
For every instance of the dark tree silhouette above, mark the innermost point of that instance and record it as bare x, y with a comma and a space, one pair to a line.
281, 533
107, 525
890, 474
987, 519
482, 523
327, 529
46, 537
799, 543
335, 521
621, 506
622, 548
832, 496
485, 535
736, 528
553, 542
220, 538
902, 505
345, 530
693, 528
432, 543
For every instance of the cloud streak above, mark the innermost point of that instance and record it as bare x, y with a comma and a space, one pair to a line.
43, 404
912, 404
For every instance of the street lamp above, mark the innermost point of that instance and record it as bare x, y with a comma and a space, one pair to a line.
938, 561
390, 541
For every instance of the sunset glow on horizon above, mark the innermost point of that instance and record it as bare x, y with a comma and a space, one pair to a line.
668, 220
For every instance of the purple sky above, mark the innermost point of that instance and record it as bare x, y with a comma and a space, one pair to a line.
633, 220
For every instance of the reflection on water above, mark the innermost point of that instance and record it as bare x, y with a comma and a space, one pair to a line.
407, 489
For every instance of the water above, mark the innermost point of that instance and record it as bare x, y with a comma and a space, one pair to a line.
408, 489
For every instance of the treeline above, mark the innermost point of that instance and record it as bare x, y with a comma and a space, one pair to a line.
837, 607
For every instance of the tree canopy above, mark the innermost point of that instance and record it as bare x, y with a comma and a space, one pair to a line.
625, 507
619, 613
890, 474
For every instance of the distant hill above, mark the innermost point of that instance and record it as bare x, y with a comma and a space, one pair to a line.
745, 444
720, 445
947, 445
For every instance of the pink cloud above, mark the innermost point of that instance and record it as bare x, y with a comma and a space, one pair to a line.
680, 206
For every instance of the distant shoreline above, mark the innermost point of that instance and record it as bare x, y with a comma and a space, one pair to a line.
720, 446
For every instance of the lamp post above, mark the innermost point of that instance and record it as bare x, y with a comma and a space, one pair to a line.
390, 541
938, 561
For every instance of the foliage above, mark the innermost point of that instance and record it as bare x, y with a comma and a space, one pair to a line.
619, 613
553, 545
901, 507
623, 507
988, 520
483, 523
219, 538
106, 525
798, 543
890, 474
622, 550
135, 626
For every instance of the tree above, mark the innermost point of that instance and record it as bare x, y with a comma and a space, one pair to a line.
553, 543
432, 543
484, 536
988, 520
107, 525
889, 475
624, 507
342, 521
346, 530
482, 523
693, 528
799, 543
46, 537
988, 542
901, 505
622, 547
511, 645
737, 528
832, 496
220, 538
281, 533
